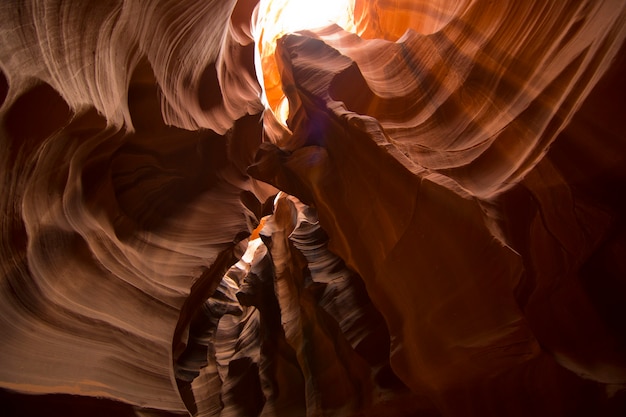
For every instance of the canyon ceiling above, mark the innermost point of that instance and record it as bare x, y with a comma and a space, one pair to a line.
437, 227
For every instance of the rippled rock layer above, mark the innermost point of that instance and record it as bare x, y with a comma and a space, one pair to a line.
438, 230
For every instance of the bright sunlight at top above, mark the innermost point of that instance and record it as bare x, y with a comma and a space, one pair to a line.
279, 17
284, 16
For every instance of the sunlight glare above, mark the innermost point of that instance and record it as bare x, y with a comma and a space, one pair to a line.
278, 17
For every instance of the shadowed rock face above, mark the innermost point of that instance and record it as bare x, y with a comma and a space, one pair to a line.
439, 230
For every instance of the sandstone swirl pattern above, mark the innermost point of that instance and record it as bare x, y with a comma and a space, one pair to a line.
439, 230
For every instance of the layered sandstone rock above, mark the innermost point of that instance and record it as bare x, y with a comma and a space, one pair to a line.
438, 229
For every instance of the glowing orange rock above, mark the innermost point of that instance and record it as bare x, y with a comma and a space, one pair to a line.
448, 238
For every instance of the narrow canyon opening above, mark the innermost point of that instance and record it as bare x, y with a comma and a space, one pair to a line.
276, 18
398, 208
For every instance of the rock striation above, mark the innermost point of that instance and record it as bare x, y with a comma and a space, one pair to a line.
436, 229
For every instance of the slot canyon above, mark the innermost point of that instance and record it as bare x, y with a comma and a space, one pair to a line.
408, 208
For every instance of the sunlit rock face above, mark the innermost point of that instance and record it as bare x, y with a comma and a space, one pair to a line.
436, 228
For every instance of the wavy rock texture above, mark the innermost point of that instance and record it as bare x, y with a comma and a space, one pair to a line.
439, 232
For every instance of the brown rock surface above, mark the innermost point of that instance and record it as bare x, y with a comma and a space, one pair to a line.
438, 230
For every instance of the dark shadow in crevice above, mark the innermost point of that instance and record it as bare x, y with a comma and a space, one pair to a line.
4, 87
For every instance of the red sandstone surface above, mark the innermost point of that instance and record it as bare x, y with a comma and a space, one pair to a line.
438, 230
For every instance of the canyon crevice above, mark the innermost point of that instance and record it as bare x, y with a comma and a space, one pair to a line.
437, 228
